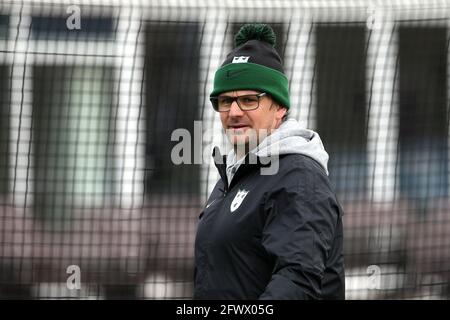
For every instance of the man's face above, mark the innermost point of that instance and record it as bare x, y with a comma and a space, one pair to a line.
244, 127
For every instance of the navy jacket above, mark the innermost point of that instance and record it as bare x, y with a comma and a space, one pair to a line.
271, 236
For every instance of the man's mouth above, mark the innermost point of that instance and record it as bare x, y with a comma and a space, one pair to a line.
238, 128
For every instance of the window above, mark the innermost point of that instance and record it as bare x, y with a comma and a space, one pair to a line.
4, 26
55, 28
341, 105
72, 130
172, 102
4, 128
423, 130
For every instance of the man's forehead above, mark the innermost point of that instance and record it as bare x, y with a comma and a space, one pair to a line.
238, 93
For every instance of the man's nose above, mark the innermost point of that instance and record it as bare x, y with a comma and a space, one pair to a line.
235, 111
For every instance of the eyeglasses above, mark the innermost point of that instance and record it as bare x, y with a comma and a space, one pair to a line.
246, 102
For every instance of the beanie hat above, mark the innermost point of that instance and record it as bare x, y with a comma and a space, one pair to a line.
253, 64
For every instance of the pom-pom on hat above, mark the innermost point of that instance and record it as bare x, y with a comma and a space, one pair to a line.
253, 64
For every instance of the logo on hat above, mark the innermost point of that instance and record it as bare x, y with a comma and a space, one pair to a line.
240, 59
240, 195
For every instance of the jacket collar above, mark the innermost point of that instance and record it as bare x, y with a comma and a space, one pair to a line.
221, 164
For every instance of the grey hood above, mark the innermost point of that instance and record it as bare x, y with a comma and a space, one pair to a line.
289, 138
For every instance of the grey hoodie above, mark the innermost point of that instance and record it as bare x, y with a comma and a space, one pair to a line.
289, 138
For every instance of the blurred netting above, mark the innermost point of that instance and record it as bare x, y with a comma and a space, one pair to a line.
92, 204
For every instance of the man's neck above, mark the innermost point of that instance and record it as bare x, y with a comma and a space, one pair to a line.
240, 152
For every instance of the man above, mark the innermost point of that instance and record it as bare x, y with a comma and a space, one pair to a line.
267, 236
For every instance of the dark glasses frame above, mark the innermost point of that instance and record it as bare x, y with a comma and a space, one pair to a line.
239, 101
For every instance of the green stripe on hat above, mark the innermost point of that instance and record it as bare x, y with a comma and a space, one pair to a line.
251, 76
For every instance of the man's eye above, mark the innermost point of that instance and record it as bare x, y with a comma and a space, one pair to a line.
225, 101
249, 100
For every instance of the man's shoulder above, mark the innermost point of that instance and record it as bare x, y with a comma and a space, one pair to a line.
301, 163
308, 177
304, 172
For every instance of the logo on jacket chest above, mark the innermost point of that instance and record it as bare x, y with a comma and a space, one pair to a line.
238, 198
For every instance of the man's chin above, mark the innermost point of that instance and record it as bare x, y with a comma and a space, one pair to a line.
238, 140
243, 139
243, 142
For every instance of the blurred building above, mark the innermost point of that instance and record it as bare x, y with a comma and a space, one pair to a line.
90, 95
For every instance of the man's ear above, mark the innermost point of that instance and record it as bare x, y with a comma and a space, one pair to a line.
280, 112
